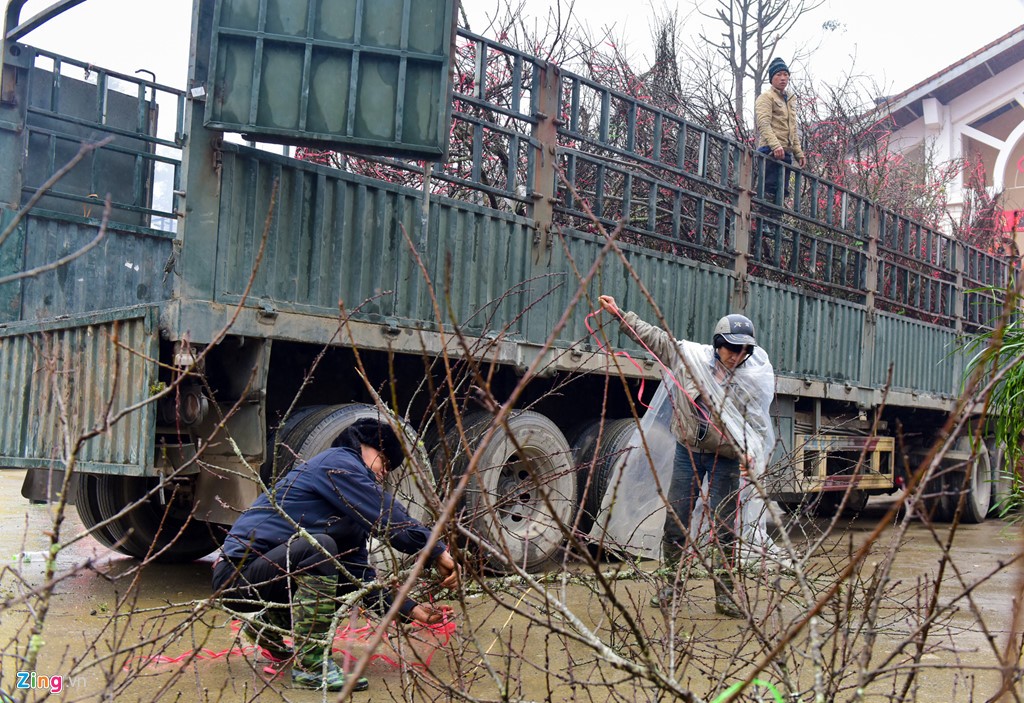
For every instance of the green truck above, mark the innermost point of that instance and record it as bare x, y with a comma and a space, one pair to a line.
354, 205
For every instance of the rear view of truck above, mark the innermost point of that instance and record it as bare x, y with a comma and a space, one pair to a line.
186, 316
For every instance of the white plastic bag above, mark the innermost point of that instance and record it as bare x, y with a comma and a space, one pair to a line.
632, 515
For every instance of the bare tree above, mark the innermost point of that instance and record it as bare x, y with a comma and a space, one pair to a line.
746, 34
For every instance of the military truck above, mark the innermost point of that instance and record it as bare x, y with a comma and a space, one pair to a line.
187, 307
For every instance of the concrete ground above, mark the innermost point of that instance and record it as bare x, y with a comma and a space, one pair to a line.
114, 631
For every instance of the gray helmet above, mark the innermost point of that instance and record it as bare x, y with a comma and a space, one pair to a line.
734, 329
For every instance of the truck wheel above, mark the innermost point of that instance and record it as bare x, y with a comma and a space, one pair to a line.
315, 431
407, 482
936, 501
1002, 482
519, 499
87, 505
978, 495
594, 464
283, 443
796, 507
150, 528
829, 503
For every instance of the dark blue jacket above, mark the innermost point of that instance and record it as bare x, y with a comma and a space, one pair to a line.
333, 493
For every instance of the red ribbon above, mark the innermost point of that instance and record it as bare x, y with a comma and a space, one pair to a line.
344, 638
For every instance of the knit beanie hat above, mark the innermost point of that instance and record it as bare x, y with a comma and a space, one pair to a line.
775, 66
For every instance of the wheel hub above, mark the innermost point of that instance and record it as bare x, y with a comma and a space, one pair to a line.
517, 493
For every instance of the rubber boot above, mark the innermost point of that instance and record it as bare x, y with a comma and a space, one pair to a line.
672, 554
266, 631
313, 608
724, 588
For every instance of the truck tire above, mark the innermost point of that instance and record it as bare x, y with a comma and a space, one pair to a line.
315, 431
87, 505
977, 498
937, 500
594, 464
516, 504
828, 503
1002, 483
168, 533
794, 507
282, 443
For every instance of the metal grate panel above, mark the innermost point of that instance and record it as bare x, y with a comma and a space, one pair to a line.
334, 73
64, 381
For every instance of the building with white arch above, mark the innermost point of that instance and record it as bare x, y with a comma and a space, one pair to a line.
974, 109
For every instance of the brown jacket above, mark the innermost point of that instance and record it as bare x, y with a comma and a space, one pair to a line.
775, 119
686, 422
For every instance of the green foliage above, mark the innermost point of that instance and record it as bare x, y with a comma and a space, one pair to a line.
1013, 501
1001, 350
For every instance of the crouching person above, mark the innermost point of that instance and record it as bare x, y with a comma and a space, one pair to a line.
284, 577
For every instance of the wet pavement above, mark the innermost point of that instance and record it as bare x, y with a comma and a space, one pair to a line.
115, 631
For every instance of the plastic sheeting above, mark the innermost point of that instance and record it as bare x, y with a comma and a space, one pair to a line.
632, 515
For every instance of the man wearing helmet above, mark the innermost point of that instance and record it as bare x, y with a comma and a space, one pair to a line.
274, 560
720, 400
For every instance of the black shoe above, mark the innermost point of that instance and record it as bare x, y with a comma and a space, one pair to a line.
663, 598
725, 606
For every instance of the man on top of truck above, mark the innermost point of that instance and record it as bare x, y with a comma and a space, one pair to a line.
776, 127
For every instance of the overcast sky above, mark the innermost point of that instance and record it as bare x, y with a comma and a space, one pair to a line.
896, 42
